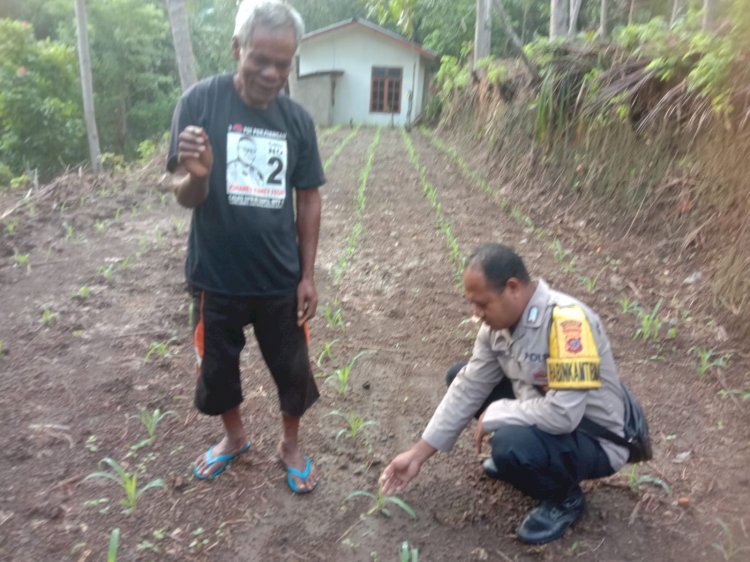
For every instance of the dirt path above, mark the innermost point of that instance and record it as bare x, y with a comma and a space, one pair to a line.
74, 386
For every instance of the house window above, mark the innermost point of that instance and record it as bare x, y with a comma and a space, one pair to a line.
385, 90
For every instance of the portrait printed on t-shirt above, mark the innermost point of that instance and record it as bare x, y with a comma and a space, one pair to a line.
256, 167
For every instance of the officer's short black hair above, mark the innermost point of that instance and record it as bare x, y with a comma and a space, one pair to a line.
499, 263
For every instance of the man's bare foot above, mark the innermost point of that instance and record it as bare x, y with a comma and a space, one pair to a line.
293, 457
204, 468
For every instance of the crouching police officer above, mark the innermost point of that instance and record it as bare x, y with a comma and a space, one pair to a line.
541, 363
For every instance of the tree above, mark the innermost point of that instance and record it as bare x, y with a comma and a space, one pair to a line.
558, 19
87, 88
320, 13
603, 29
483, 30
505, 22
134, 70
41, 126
183, 46
575, 8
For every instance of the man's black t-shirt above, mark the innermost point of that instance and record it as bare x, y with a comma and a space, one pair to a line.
243, 239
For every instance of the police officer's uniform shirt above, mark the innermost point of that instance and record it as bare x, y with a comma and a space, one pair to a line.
522, 357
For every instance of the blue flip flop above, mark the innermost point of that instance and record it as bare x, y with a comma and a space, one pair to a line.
226, 459
301, 475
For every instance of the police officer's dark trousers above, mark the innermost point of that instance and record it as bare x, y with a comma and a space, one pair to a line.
541, 465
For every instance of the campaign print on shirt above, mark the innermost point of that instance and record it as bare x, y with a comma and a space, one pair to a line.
256, 167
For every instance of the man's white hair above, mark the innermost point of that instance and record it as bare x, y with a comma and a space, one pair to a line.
270, 14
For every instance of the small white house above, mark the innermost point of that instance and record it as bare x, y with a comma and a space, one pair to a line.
357, 72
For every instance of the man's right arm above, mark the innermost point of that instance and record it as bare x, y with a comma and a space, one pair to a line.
465, 395
195, 158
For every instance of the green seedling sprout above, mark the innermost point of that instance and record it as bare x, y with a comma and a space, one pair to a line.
22, 260
627, 305
728, 549
106, 271
83, 293
590, 282
49, 317
570, 266
650, 323
635, 481
326, 353
381, 501
150, 420
356, 425
114, 545
559, 252
407, 554
708, 361
158, 350
128, 481
340, 377
333, 314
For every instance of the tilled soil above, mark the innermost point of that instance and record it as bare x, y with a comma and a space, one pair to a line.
105, 260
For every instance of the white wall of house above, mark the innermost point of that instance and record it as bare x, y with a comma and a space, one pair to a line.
355, 50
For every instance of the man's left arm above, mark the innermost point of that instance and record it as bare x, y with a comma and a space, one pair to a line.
308, 229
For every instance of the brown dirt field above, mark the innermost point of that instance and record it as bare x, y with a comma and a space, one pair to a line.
73, 386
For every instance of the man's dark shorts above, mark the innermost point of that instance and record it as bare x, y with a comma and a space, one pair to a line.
218, 323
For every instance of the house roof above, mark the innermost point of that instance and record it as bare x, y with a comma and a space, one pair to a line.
374, 28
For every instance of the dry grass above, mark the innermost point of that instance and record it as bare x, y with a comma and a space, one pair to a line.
678, 174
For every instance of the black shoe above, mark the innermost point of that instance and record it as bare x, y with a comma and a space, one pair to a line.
549, 519
490, 469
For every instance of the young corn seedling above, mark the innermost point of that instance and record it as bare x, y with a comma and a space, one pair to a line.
570, 266
340, 377
381, 502
150, 420
590, 282
158, 350
407, 554
650, 323
333, 315
326, 353
355, 425
22, 260
83, 293
627, 305
49, 317
114, 545
106, 271
128, 481
708, 361
635, 481
559, 252
729, 547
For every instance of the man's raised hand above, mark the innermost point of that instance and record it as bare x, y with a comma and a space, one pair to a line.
194, 151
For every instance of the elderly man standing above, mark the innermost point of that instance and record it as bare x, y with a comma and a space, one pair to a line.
541, 365
250, 259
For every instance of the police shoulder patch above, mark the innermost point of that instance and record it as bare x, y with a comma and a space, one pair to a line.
573, 362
